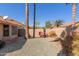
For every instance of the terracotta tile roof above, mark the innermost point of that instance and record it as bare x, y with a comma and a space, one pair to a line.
10, 22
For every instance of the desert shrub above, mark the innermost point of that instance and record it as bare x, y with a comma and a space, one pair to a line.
75, 44
71, 44
66, 45
52, 34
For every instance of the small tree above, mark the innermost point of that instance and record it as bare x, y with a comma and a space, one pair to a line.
37, 23
48, 24
58, 22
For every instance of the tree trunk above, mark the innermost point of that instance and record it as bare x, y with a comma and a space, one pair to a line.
74, 13
27, 20
34, 20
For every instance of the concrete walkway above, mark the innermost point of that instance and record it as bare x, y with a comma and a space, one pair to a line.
32, 47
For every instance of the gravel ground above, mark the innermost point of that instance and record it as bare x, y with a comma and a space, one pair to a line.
32, 47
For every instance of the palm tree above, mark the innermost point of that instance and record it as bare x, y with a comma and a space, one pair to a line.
74, 13
27, 20
69, 40
58, 23
34, 20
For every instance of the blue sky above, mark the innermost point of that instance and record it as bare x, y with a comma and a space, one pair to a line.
44, 12
52, 11
13, 10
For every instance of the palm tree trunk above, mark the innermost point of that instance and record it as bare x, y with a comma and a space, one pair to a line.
74, 13
27, 20
34, 20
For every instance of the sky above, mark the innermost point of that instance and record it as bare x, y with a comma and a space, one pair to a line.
44, 12
14, 11
53, 11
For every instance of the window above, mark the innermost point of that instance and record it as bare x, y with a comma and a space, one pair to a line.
5, 30
21, 32
14, 30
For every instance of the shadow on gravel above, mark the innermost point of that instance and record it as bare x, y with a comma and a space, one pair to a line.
61, 53
13, 47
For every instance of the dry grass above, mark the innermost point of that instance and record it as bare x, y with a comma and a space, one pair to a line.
52, 34
75, 44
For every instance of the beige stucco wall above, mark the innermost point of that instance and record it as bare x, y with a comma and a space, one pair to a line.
10, 33
11, 38
36, 32
57, 30
7, 38
1, 31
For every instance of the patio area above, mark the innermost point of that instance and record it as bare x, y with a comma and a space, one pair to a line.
32, 47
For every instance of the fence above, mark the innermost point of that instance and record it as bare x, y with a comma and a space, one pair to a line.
57, 30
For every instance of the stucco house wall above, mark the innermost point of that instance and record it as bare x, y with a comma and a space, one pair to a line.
11, 23
1, 31
7, 38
